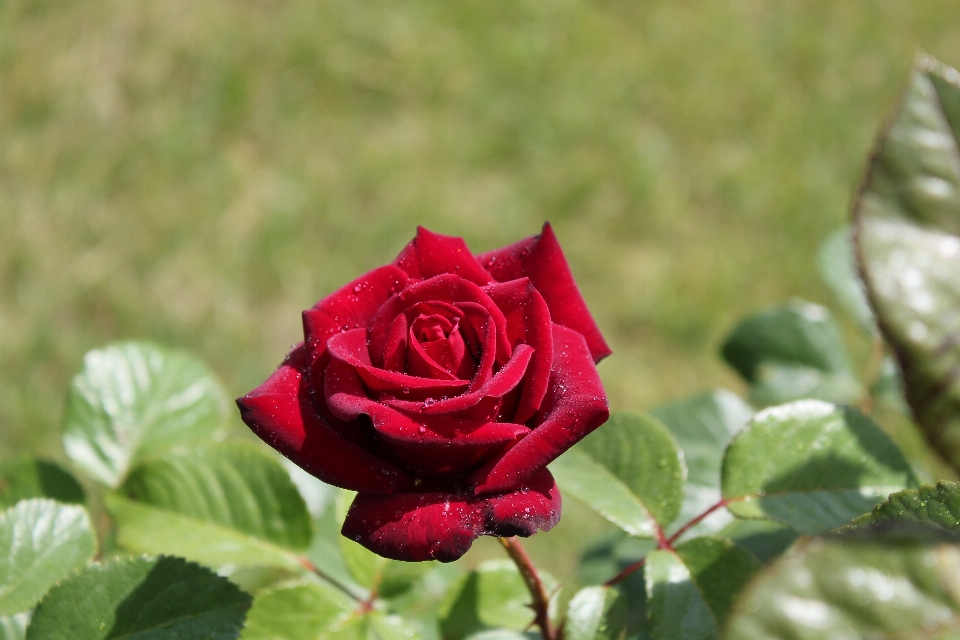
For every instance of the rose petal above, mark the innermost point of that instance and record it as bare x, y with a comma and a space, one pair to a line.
505, 380
282, 414
431, 254
541, 259
442, 526
351, 306
346, 398
575, 405
528, 320
350, 347
450, 289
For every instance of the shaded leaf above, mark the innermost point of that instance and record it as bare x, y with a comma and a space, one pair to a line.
908, 221
141, 598
608, 557
375, 626
691, 590
838, 269
703, 427
596, 613
854, 589
931, 506
41, 541
492, 596
763, 539
298, 611
222, 504
630, 471
134, 398
790, 352
365, 567
811, 465
24, 477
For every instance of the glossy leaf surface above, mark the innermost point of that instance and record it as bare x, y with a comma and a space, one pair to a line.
41, 542
908, 222
934, 506
140, 599
703, 427
134, 398
223, 504
490, 597
791, 352
811, 465
854, 589
298, 611
596, 613
630, 471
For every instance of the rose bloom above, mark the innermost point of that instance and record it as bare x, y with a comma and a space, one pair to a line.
439, 387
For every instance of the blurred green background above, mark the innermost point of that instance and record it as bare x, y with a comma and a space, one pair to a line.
197, 172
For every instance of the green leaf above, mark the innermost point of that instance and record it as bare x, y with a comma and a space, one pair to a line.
596, 613
703, 427
134, 398
298, 611
630, 472
504, 634
812, 466
936, 507
230, 503
790, 352
691, 591
838, 269
365, 566
490, 597
42, 541
14, 627
24, 477
908, 222
141, 598
763, 539
854, 589
376, 626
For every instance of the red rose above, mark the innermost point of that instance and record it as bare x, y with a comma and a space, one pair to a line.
439, 387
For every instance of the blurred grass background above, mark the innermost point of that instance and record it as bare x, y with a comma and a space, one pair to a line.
196, 172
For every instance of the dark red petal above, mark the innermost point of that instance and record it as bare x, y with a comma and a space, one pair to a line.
395, 348
440, 289
442, 526
528, 320
351, 306
575, 405
431, 254
541, 259
346, 398
505, 380
350, 347
281, 413
421, 363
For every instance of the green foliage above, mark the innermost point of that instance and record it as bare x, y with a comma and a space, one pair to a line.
14, 627
220, 504
24, 477
690, 590
375, 626
703, 427
141, 598
630, 471
596, 613
298, 611
493, 596
133, 399
858, 588
936, 507
908, 222
811, 465
41, 542
790, 352
837, 265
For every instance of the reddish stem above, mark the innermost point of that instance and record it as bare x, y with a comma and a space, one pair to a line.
682, 530
665, 543
541, 600
365, 605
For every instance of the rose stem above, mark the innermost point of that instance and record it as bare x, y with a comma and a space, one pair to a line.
541, 600
309, 566
666, 543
